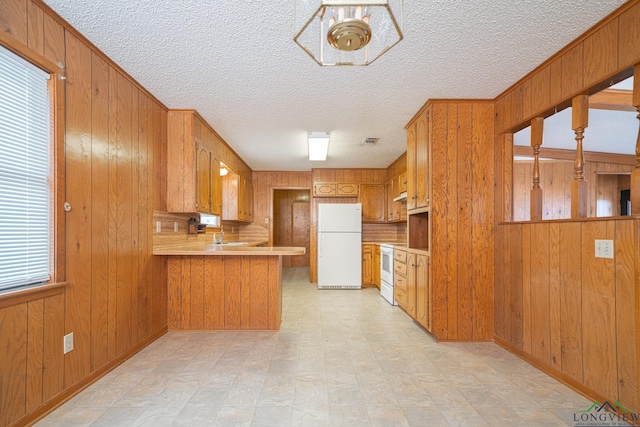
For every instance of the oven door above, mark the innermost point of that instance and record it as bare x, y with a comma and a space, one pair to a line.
386, 264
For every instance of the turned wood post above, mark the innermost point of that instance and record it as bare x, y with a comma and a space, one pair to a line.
506, 142
635, 173
537, 126
579, 187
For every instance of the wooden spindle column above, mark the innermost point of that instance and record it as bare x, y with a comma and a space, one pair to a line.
579, 187
635, 174
537, 126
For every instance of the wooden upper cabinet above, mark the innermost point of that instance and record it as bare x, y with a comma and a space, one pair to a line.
347, 189
373, 201
423, 138
418, 147
216, 188
324, 190
203, 181
192, 184
335, 189
237, 198
389, 186
402, 183
411, 166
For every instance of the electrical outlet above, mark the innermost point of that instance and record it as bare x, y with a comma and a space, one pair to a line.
266, 220
175, 226
158, 227
604, 249
68, 343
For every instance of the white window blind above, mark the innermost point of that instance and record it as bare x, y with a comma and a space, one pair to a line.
25, 192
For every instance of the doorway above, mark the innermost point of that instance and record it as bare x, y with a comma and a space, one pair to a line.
292, 223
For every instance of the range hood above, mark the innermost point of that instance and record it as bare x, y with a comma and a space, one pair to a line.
402, 196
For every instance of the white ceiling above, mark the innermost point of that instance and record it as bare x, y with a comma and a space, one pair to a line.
236, 63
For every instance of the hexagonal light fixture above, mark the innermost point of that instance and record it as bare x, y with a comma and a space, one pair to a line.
351, 32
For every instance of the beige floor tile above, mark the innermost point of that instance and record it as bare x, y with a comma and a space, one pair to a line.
341, 358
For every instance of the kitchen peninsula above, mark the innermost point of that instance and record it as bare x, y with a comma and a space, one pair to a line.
214, 287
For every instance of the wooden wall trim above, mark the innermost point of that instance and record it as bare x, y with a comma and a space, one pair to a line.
566, 380
21, 296
589, 156
23, 51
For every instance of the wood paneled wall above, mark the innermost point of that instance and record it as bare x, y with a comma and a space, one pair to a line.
555, 180
462, 219
568, 312
609, 49
115, 301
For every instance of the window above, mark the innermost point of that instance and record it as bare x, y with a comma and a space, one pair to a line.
25, 173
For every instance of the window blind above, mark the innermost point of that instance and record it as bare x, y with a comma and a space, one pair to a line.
25, 165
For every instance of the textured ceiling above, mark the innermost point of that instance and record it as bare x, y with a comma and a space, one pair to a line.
236, 63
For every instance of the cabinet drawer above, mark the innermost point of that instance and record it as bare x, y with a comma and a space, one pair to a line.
366, 248
400, 268
400, 296
400, 282
400, 256
347, 189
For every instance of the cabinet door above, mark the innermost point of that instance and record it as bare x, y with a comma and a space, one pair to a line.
367, 261
390, 195
411, 285
372, 199
324, 190
412, 198
203, 179
421, 173
216, 188
347, 189
402, 183
375, 266
248, 200
423, 294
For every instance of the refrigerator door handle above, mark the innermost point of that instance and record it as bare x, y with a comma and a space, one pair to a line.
321, 238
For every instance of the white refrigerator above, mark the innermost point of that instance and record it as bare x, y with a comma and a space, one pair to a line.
339, 246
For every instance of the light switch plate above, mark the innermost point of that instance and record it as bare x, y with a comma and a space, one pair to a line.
158, 227
68, 343
604, 249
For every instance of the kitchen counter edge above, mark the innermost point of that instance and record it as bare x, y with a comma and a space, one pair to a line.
216, 250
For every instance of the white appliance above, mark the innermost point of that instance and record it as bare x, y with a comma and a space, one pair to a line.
386, 273
339, 246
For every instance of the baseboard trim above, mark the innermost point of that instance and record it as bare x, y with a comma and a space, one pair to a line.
69, 392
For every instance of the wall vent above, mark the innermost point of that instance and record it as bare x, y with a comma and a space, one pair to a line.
370, 141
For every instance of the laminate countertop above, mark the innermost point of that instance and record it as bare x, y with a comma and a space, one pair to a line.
198, 249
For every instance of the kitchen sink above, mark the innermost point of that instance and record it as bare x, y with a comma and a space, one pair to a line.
232, 243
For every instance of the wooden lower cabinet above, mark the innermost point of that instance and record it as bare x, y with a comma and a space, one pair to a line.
412, 289
376, 265
224, 292
404, 291
367, 262
419, 275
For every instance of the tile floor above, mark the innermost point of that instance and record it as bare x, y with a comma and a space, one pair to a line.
340, 358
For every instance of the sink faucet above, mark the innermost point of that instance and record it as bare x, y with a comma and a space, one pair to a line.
217, 237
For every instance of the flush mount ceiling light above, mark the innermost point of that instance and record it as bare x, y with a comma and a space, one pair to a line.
318, 146
352, 32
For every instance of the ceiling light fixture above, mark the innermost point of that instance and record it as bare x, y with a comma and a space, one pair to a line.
347, 32
318, 146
